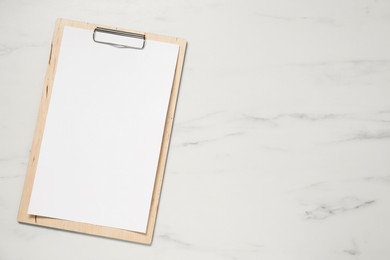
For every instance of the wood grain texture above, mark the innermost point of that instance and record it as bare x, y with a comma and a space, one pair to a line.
24, 217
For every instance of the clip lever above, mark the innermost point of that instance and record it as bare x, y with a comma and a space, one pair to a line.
119, 39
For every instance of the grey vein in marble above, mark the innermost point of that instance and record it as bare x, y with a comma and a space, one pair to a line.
5, 50
323, 185
378, 178
354, 250
365, 135
203, 141
286, 18
362, 62
170, 238
11, 176
324, 211
297, 116
199, 118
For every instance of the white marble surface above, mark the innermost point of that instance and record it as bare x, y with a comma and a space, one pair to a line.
281, 142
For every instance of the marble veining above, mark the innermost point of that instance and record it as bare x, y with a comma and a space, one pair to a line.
324, 211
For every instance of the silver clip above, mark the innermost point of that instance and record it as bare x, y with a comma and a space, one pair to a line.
119, 39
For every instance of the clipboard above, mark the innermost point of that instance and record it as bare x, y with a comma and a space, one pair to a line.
120, 42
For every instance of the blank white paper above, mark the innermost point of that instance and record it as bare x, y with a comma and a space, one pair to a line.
103, 132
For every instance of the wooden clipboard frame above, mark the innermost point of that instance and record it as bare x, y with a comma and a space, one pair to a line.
115, 233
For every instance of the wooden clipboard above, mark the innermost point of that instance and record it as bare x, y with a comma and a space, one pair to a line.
98, 230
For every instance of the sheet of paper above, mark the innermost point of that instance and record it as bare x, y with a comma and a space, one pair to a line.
103, 132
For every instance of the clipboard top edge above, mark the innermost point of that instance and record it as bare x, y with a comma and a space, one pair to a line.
62, 22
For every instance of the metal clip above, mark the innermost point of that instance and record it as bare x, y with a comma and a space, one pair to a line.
119, 39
